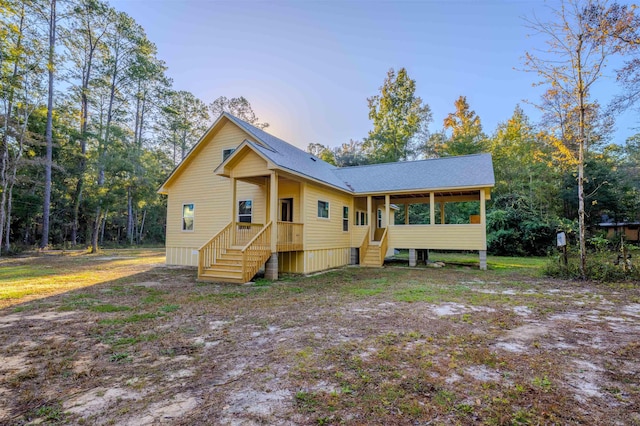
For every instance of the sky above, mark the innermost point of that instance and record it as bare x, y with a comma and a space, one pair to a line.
308, 67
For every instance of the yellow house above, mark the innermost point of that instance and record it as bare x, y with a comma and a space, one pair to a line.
242, 199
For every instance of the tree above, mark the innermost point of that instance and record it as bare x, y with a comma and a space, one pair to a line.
577, 53
51, 65
398, 116
83, 38
466, 131
322, 152
523, 165
350, 154
238, 107
184, 119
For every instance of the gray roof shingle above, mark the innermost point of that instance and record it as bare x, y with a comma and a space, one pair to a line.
449, 172
289, 157
437, 173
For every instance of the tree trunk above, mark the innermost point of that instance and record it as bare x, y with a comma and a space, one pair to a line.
129, 216
102, 226
144, 216
4, 155
84, 117
49, 129
581, 152
102, 155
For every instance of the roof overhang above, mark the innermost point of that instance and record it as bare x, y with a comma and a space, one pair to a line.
423, 190
224, 169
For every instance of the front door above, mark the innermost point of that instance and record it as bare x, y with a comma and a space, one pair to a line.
286, 209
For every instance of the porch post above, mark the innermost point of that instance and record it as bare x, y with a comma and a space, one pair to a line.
387, 210
406, 213
369, 217
271, 268
234, 208
483, 214
432, 208
412, 257
441, 213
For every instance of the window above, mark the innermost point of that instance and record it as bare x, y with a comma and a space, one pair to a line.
187, 217
380, 218
227, 152
361, 218
323, 209
244, 211
345, 218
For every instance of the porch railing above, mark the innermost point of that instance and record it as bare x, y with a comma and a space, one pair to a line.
213, 248
365, 245
245, 232
289, 236
256, 252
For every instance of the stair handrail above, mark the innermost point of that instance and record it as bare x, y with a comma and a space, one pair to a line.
364, 246
206, 254
250, 262
383, 246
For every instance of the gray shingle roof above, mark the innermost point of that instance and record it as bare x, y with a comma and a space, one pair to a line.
449, 172
289, 157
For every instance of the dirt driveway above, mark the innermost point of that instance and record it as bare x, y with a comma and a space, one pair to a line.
354, 346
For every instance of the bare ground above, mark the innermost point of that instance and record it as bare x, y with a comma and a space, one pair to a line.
354, 346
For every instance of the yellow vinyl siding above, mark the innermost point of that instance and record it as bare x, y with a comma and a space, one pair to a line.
291, 261
438, 237
318, 260
211, 196
290, 189
323, 233
357, 235
249, 164
186, 256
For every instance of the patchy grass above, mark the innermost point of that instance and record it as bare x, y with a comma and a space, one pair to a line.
28, 278
128, 338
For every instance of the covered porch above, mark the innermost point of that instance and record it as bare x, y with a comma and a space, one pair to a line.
261, 226
421, 220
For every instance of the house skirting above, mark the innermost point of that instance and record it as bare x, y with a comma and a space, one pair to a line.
319, 260
183, 256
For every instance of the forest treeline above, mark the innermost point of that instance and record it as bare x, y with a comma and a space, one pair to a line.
82, 80
91, 125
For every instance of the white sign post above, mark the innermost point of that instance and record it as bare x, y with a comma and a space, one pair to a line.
562, 245
562, 239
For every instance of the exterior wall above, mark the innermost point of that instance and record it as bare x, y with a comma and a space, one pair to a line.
318, 260
357, 235
211, 196
291, 261
326, 244
250, 164
438, 237
290, 189
631, 233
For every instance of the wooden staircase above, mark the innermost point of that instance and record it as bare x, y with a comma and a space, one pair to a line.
371, 257
227, 267
219, 261
372, 253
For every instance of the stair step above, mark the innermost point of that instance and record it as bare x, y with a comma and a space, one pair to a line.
215, 275
224, 267
232, 255
220, 279
228, 261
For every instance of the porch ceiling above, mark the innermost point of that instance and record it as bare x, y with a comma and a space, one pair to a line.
420, 196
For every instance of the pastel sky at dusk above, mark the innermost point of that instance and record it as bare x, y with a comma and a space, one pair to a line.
307, 67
